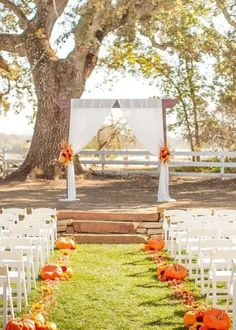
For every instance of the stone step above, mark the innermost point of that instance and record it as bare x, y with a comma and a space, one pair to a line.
107, 239
101, 227
104, 216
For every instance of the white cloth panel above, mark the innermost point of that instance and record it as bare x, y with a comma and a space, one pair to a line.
163, 188
146, 121
86, 117
71, 185
85, 122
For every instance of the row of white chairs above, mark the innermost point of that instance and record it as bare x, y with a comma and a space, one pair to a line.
25, 244
206, 243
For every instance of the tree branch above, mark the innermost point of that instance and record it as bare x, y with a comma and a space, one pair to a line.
12, 43
18, 12
48, 12
225, 12
93, 26
161, 46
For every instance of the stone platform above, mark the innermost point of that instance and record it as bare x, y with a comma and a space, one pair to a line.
108, 227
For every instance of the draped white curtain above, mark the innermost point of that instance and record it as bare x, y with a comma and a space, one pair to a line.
145, 118
86, 117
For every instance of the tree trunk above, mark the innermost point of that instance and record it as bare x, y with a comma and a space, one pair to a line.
51, 126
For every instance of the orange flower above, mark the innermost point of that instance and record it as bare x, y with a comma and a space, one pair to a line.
164, 154
66, 154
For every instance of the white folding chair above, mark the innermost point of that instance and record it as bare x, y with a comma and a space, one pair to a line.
178, 236
14, 260
6, 295
219, 275
44, 222
179, 225
50, 212
38, 243
194, 236
167, 216
206, 247
25, 246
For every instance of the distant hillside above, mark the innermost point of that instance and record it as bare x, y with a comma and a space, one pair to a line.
14, 142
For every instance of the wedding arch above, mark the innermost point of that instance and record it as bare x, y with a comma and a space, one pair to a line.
146, 118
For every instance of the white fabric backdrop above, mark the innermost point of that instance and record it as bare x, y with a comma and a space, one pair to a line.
145, 118
86, 118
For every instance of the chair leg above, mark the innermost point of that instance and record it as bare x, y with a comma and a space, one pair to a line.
5, 307
19, 295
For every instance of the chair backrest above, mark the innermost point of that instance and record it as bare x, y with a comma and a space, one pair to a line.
225, 212
200, 211
10, 257
5, 224
187, 225
229, 218
15, 243
36, 220
181, 217
9, 217
227, 232
15, 210
224, 256
215, 244
201, 233
25, 231
44, 210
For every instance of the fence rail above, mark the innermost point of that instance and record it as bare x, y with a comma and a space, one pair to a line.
216, 163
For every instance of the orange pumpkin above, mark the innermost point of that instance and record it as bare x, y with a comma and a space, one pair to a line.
216, 319
21, 324
154, 244
63, 243
48, 326
192, 317
51, 272
175, 272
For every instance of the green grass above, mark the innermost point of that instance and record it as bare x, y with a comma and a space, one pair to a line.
114, 287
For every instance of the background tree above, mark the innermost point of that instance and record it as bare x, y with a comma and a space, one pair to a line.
178, 57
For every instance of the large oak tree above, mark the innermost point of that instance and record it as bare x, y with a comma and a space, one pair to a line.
26, 28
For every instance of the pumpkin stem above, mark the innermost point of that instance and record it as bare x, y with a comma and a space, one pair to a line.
220, 315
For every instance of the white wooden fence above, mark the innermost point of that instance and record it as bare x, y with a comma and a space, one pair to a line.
217, 163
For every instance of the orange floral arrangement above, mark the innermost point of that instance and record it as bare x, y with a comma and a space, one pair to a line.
66, 154
164, 154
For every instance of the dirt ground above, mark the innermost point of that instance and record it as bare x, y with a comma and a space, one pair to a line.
120, 194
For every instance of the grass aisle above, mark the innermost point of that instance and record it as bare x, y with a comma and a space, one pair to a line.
114, 287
